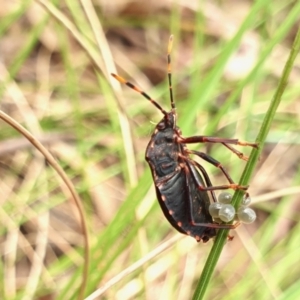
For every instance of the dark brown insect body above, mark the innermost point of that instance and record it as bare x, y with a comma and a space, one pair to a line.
181, 191
176, 181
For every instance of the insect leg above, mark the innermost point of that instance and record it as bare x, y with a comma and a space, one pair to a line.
208, 182
213, 139
238, 153
207, 179
218, 226
217, 164
225, 142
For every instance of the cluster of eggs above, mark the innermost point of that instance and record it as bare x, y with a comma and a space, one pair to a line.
224, 211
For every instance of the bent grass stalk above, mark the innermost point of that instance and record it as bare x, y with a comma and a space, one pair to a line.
69, 185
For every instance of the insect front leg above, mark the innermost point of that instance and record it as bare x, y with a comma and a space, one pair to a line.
223, 141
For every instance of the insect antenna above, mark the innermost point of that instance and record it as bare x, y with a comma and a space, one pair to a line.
132, 86
170, 71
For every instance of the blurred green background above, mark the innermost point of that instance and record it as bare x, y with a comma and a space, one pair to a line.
227, 58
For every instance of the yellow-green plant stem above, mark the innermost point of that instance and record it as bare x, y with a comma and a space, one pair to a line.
237, 198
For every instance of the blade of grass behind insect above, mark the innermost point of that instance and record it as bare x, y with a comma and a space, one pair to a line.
262, 269
285, 268
25, 51
265, 268
72, 84
266, 271
114, 252
276, 259
112, 241
208, 85
120, 225
279, 35
237, 198
71, 188
79, 18
8, 20
291, 293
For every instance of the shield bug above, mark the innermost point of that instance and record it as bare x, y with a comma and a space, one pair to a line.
181, 183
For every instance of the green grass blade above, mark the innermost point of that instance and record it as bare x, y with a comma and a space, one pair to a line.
223, 233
